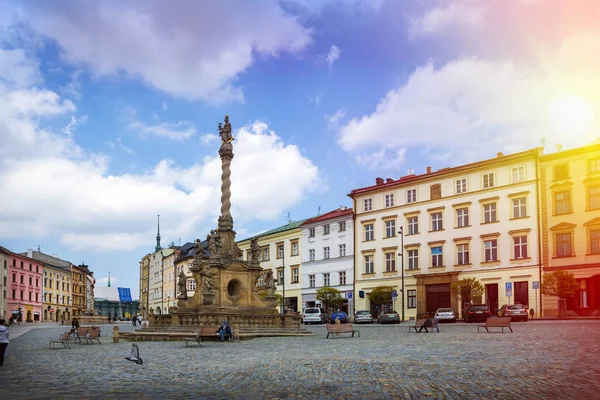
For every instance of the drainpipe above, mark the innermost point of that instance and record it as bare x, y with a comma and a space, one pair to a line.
539, 230
354, 241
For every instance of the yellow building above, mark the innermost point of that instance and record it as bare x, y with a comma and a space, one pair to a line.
570, 204
144, 268
423, 232
57, 293
79, 284
280, 251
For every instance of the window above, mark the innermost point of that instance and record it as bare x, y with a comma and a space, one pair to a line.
490, 250
562, 202
518, 174
413, 259
295, 275
14, 279
342, 250
488, 180
461, 185
22, 280
389, 200
22, 295
369, 232
462, 217
437, 256
264, 254
390, 229
311, 281
594, 197
411, 299
520, 246
280, 250
326, 280
436, 221
413, 225
325, 229
561, 172
343, 278
14, 294
311, 232
462, 252
594, 166
342, 226
411, 195
489, 212
31, 281
369, 267
295, 248
325, 252
367, 204
280, 276
390, 262
311, 255
192, 284
519, 207
563, 245
595, 241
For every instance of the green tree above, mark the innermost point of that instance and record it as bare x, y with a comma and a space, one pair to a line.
381, 295
561, 284
467, 289
329, 297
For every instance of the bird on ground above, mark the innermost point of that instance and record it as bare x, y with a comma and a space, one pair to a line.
135, 355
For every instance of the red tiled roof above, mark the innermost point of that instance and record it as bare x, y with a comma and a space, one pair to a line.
330, 215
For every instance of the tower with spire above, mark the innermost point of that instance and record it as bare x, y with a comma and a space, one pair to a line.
108, 278
157, 248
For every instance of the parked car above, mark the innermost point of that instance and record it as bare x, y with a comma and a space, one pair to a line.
363, 317
445, 315
341, 315
517, 312
390, 317
477, 312
313, 315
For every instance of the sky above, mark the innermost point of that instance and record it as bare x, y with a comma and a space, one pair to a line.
109, 109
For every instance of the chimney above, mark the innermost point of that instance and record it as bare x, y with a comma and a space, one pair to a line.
389, 180
379, 181
30, 253
428, 169
499, 154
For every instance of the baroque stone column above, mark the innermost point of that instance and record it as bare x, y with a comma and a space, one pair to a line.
226, 220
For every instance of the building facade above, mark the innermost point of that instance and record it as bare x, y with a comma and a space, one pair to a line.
570, 204
328, 256
424, 232
169, 280
156, 294
4, 259
57, 292
25, 288
144, 305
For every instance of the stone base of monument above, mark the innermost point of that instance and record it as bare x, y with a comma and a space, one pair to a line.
90, 320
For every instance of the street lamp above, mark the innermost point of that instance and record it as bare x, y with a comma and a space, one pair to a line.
19, 317
401, 254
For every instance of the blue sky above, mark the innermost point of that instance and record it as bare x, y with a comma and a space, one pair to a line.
109, 110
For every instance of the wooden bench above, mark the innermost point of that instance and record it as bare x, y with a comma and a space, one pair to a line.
93, 334
420, 322
196, 338
63, 339
341, 328
211, 331
496, 322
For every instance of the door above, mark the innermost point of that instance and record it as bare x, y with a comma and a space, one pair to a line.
491, 297
437, 296
521, 293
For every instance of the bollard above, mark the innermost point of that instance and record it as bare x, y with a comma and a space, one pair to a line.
116, 334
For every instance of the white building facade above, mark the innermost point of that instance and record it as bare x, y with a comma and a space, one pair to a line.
328, 256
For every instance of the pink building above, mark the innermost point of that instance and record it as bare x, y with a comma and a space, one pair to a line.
25, 288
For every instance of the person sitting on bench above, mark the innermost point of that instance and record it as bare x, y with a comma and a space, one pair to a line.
427, 324
223, 330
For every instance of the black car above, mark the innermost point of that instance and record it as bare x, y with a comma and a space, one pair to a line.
477, 312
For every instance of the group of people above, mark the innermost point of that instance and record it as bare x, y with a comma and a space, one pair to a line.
136, 319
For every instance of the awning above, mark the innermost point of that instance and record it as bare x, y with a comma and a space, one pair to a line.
125, 295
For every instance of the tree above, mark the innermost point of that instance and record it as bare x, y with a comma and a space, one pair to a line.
467, 289
561, 284
381, 295
329, 297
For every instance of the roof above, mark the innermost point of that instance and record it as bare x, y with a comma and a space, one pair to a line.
340, 212
5, 250
444, 171
594, 146
280, 229
187, 250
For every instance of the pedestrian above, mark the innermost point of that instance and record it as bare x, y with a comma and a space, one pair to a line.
3, 339
134, 320
223, 330
75, 323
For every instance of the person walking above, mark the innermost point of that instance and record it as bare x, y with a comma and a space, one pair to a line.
3, 339
75, 323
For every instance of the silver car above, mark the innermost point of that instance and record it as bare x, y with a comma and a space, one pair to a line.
363, 317
445, 315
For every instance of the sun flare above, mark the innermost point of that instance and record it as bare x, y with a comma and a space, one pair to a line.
571, 115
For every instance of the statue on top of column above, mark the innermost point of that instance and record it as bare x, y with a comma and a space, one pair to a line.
225, 131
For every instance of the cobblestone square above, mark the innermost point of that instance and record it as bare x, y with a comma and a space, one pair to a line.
541, 359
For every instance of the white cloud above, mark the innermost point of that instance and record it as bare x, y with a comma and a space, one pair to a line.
333, 120
193, 50
74, 123
454, 15
17, 70
209, 138
176, 131
382, 159
333, 55
316, 99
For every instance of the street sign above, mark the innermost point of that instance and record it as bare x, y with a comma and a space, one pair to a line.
394, 294
349, 295
536, 284
52, 310
508, 286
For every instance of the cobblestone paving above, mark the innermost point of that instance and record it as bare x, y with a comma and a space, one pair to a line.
540, 360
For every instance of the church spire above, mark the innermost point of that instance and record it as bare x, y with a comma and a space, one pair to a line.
108, 278
157, 248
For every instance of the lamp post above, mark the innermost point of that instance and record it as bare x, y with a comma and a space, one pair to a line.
401, 254
19, 317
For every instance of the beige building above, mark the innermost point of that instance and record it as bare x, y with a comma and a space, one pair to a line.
144, 267
4, 257
570, 203
280, 251
57, 292
169, 279
423, 232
